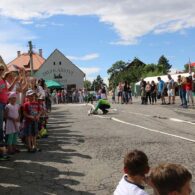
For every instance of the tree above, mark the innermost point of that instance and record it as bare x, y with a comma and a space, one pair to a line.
87, 85
164, 62
117, 67
186, 68
115, 73
97, 83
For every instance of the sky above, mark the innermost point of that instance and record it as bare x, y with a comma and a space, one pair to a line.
94, 34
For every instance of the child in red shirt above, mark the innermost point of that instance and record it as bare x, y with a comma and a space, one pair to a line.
32, 114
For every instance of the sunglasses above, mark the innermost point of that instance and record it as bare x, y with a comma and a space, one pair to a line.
1, 69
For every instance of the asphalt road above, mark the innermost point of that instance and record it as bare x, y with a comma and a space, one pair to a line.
84, 154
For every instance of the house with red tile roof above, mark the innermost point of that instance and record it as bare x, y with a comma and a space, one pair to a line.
23, 61
3, 63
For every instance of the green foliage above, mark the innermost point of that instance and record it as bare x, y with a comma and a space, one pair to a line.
97, 83
165, 64
186, 68
115, 73
87, 84
131, 72
116, 67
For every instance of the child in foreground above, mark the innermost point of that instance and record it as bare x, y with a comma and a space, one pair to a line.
32, 114
12, 123
135, 168
171, 179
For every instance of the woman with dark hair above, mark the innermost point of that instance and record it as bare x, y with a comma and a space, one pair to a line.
153, 92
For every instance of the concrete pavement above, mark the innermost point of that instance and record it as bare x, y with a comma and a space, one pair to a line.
83, 154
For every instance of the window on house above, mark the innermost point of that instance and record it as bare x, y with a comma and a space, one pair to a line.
60, 62
54, 63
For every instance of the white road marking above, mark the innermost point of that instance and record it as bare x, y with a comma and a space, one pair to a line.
137, 113
76, 104
145, 128
159, 116
181, 121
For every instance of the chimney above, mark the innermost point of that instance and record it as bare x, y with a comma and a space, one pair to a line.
18, 53
41, 52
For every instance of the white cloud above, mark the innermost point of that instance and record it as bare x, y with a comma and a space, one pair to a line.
56, 24
8, 51
87, 57
42, 25
45, 24
26, 22
90, 70
13, 38
129, 18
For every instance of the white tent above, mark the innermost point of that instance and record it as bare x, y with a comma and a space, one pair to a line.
164, 78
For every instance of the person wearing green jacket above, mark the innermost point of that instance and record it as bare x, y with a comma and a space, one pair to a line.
103, 105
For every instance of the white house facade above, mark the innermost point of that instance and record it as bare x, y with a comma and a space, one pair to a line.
59, 68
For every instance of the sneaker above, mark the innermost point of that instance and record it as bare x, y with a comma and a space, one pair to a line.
105, 112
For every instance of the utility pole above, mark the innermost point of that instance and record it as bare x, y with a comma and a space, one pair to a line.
31, 57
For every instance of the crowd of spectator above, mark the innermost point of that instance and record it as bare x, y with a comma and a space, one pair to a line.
24, 104
184, 87
166, 91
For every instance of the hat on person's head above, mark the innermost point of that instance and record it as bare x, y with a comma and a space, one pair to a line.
2, 66
7, 73
12, 95
30, 92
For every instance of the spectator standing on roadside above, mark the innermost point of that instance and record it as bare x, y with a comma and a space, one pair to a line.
80, 93
148, 92
32, 114
135, 168
125, 93
183, 84
129, 94
171, 179
3, 101
171, 89
189, 93
193, 84
120, 93
41, 88
12, 123
161, 89
143, 91
153, 92
180, 88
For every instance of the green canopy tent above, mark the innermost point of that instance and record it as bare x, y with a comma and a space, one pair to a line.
53, 84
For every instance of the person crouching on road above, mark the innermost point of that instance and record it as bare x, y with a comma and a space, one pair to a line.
32, 114
135, 168
103, 105
171, 179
